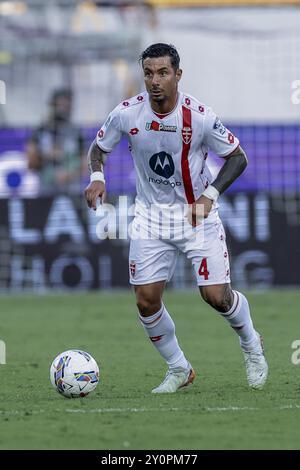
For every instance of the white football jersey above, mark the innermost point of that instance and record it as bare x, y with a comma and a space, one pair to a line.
169, 151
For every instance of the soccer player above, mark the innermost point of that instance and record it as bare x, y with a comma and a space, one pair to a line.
169, 134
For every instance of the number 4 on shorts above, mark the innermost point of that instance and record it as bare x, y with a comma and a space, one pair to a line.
203, 269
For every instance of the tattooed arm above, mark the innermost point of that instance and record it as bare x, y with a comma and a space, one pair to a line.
96, 159
234, 165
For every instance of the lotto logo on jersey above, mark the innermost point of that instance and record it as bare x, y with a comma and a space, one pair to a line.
230, 138
156, 126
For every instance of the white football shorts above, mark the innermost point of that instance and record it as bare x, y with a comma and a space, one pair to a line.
154, 259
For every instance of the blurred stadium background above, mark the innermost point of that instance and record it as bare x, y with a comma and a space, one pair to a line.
242, 58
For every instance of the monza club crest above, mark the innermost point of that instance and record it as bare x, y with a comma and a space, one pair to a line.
132, 267
186, 134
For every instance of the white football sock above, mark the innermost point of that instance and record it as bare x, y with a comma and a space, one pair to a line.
239, 319
161, 331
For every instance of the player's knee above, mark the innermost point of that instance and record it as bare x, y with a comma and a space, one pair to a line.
220, 303
147, 306
219, 297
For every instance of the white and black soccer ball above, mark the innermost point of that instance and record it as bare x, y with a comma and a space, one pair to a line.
74, 373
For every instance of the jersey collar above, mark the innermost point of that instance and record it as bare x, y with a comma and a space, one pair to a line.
166, 115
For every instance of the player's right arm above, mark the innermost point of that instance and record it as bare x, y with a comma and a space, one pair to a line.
96, 158
107, 138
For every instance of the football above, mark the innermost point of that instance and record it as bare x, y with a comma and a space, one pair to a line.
74, 373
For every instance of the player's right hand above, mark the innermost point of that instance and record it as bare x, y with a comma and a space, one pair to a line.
94, 190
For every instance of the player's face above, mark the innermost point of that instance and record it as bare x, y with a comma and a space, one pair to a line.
161, 79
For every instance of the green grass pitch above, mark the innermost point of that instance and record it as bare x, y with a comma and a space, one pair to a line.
218, 411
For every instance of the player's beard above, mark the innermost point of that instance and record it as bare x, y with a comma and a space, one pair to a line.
159, 97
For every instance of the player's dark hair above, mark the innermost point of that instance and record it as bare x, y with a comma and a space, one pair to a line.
161, 50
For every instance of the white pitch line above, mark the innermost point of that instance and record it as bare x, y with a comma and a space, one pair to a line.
220, 409
202, 409
231, 408
287, 407
20, 412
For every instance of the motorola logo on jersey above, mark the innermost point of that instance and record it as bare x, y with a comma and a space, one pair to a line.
162, 164
172, 184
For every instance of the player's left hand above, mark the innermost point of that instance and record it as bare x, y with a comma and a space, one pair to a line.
200, 210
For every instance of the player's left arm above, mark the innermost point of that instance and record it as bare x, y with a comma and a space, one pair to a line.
233, 167
223, 143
